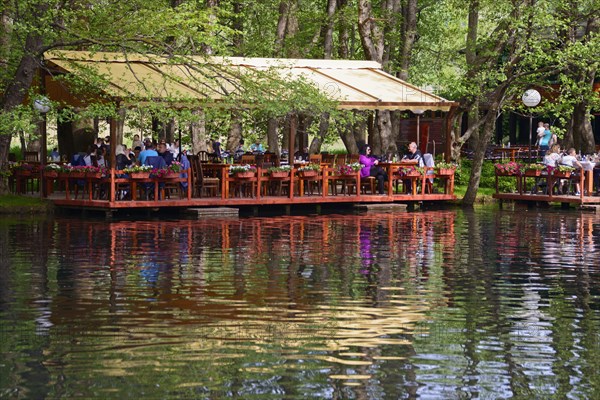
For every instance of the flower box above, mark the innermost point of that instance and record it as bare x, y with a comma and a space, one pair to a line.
280, 174
23, 172
412, 173
245, 174
51, 174
77, 174
172, 175
444, 171
561, 174
506, 173
94, 175
139, 175
533, 172
308, 173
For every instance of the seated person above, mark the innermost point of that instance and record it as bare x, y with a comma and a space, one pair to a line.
414, 154
301, 155
551, 158
371, 168
257, 147
571, 160
165, 153
54, 155
123, 161
148, 152
239, 151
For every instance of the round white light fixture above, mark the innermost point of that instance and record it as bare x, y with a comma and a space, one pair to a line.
42, 105
531, 98
418, 111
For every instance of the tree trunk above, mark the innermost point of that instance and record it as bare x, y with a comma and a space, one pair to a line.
281, 27
409, 34
317, 142
238, 26
328, 30
386, 143
370, 34
5, 33
198, 133
479, 155
122, 113
390, 13
235, 132
272, 137
583, 134
344, 30
16, 90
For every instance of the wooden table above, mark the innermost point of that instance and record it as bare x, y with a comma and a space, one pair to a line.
392, 167
509, 151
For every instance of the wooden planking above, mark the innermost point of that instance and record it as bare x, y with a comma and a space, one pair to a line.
549, 199
240, 202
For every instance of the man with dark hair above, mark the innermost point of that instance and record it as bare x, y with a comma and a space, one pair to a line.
164, 153
148, 152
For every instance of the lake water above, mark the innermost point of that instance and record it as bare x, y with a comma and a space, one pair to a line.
435, 304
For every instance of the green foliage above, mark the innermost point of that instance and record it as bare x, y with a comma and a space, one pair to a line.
488, 177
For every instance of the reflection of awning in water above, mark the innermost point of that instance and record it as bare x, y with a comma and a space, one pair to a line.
134, 78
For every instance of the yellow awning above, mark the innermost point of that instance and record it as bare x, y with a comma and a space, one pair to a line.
135, 78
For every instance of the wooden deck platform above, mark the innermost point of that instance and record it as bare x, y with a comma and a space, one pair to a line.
262, 189
571, 199
59, 201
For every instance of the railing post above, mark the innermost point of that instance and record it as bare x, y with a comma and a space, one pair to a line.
112, 185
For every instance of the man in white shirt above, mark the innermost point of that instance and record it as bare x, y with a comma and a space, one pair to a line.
572, 161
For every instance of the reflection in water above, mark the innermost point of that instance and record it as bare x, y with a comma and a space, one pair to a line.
444, 304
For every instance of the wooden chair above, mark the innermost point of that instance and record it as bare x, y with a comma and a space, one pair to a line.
328, 159
202, 156
248, 159
32, 156
315, 159
352, 158
209, 185
202, 184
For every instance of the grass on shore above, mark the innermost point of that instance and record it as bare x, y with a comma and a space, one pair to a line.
12, 200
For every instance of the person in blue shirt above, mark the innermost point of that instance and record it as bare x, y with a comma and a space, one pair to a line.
148, 152
544, 139
257, 147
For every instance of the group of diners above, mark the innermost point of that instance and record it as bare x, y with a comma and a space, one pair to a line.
555, 157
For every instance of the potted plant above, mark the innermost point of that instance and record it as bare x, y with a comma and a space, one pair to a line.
409, 170
444, 168
174, 170
534, 169
242, 171
93, 172
77, 171
350, 169
52, 170
282, 171
138, 171
507, 169
23, 169
309, 170
563, 171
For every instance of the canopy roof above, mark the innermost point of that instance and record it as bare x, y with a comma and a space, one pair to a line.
134, 78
